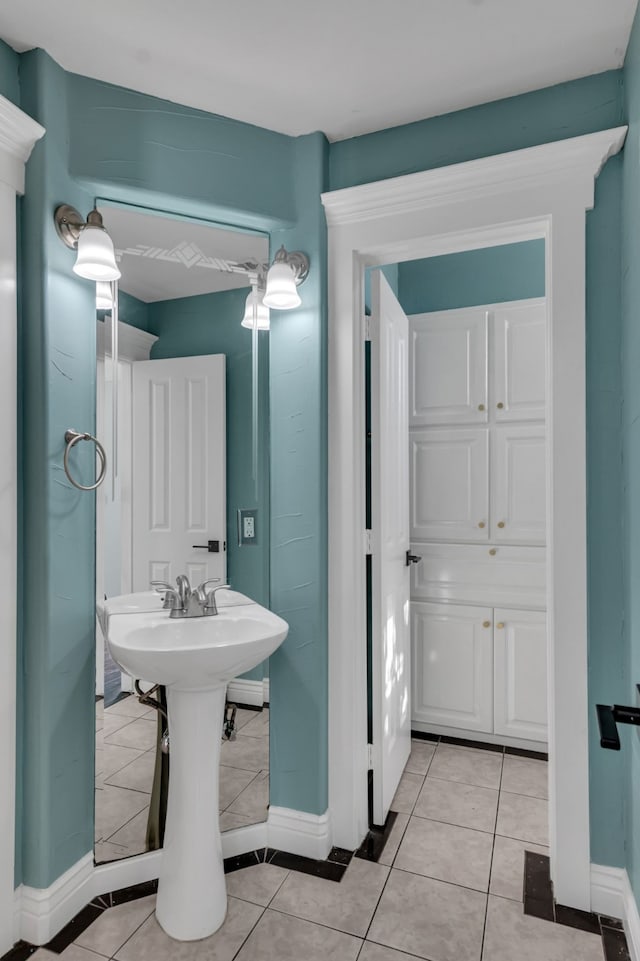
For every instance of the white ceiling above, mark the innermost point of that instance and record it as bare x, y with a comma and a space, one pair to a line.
163, 258
345, 67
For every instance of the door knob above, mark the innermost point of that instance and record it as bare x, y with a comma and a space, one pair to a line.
412, 559
212, 546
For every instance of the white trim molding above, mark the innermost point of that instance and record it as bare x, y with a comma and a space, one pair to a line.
611, 894
299, 833
133, 343
540, 192
245, 691
18, 133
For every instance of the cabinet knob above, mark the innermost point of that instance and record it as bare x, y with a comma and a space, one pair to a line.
480, 406
500, 625
481, 524
493, 551
500, 406
486, 623
501, 524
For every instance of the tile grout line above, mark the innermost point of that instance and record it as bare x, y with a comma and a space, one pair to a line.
493, 848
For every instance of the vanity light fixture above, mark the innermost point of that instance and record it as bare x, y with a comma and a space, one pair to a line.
285, 275
96, 258
255, 312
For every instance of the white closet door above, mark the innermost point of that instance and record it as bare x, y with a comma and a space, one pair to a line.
518, 368
452, 651
521, 674
448, 368
449, 484
518, 484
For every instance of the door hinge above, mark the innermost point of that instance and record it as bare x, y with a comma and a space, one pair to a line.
367, 327
369, 757
368, 542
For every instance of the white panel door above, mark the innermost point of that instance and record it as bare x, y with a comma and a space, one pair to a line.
518, 484
179, 469
519, 350
450, 484
521, 674
452, 651
391, 654
448, 368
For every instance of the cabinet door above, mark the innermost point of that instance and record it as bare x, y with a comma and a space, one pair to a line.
448, 368
518, 367
449, 484
452, 665
520, 666
518, 484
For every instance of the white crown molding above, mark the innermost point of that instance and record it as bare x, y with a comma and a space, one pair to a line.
18, 134
133, 343
502, 173
611, 894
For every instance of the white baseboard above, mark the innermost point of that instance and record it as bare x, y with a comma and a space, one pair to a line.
611, 894
265, 689
244, 691
299, 833
42, 912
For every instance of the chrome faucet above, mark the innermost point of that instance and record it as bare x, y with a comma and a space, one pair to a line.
182, 601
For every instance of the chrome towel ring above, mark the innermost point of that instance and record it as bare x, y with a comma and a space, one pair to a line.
72, 437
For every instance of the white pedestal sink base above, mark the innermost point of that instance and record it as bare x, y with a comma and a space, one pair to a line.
192, 894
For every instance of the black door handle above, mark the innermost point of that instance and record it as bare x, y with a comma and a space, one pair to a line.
212, 546
609, 716
412, 559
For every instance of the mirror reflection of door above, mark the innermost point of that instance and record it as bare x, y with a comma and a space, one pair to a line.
185, 389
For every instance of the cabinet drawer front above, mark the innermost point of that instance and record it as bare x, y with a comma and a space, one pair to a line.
518, 369
513, 576
518, 484
520, 671
448, 368
449, 484
452, 665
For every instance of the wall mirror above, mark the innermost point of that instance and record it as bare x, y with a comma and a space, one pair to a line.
167, 508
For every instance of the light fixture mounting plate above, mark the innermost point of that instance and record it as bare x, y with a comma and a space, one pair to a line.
69, 224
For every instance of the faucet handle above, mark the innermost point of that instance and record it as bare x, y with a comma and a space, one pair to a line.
171, 599
200, 589
211, 597
160, 586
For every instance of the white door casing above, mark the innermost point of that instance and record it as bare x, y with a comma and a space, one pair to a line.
520, 671
452, 665
391, 655
449, 471
179, 469
18, 134
452, 388
541, 191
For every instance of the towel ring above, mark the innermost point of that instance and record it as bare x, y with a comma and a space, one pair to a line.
72, 437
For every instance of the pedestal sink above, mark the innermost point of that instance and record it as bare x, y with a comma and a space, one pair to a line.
194, 658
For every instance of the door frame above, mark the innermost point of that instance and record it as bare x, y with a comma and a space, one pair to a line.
539, 192
18, 134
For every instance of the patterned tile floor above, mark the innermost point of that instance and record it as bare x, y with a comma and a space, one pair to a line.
448, 886
125, 759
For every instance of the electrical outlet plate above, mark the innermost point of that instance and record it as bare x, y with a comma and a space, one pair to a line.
247, 526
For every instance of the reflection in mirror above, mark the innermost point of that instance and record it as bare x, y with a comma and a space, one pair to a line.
190, 496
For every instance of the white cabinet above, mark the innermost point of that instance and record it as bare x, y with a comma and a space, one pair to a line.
518, 483
448, 368
452, 653
518, 361
520, 674
449, 484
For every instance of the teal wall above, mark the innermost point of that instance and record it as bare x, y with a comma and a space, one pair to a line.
122, 146
9, 81
133, 311
489, 276
630, 755
210, 324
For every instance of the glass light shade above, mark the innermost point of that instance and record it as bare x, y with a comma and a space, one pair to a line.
104, 300
281, 292
96, 258
262, 313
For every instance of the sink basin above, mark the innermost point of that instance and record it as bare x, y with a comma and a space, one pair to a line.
194, 658
194, 653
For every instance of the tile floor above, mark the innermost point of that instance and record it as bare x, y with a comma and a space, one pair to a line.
448, 886
125, 760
